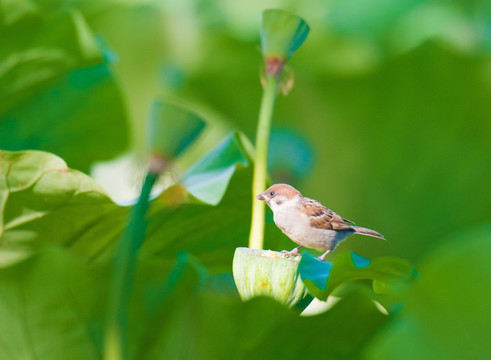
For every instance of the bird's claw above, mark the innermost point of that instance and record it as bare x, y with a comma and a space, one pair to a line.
323, 256
294, 252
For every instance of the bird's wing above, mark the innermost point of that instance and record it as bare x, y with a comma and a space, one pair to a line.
322, 217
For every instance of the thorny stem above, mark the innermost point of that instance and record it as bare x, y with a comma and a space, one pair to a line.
261, 160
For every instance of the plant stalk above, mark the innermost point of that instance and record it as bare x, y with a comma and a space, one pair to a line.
256, 237
123, 274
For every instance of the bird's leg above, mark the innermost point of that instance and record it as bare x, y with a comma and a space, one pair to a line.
294, 252
323, 256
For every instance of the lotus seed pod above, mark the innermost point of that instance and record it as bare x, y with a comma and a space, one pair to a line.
281, 35
172, 128
268, 273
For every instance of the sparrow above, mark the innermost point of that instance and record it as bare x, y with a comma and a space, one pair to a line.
307, 222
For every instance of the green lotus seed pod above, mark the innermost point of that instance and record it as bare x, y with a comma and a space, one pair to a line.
281, 35
172, 128
268, 273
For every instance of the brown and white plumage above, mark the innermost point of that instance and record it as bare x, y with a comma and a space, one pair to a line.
307, 222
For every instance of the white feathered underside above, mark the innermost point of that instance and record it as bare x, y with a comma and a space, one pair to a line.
297, 226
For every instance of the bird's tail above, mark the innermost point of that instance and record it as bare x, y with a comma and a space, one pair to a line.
368, 232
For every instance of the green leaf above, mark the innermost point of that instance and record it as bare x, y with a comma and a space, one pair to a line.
322, 277
52, 307
171, 128
57, 92
340, 333
446, 313
207, 324
43, 201
157, 311
48, 308
211, 233
208, 178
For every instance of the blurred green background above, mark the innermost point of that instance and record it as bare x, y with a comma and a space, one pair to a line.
388, 122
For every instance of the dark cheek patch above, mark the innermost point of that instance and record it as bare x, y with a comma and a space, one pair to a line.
279, 202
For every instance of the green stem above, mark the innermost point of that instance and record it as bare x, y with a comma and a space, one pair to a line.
123, 274
261, 161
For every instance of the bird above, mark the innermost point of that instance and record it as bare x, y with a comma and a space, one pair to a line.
307, 222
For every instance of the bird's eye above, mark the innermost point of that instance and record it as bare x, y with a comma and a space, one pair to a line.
271, 193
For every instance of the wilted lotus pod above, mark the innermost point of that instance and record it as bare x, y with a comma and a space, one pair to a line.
281, 35
172, 128
268, 273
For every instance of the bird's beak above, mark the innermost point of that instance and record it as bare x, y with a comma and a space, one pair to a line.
261, 197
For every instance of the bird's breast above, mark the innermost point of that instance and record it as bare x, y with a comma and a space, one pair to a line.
297, 226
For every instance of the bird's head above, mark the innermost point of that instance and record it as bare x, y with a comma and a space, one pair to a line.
279, 195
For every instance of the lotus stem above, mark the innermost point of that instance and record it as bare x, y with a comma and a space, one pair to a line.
256, 238
281, 35
124, 269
